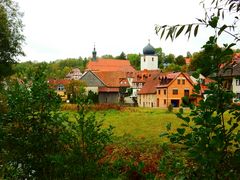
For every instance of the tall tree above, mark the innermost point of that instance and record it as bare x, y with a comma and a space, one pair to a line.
169, 59
75, 89
11, 37
107, 56
121, 56
134, 60
180, 60
161, 56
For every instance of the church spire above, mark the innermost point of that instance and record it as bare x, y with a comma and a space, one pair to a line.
94, 54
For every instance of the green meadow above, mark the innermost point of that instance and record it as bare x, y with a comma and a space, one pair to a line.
135, 123
140, 123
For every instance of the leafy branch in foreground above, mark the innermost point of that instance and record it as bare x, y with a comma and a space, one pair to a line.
210, 135
213, 14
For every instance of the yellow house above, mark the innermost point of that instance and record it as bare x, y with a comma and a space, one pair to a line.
60, 87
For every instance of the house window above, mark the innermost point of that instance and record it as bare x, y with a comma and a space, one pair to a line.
165, 91
60, 87
186, 92
237, 82
152, 59
165, 101
144, 59
178, 81
183, 81
238, 95
159, 91
175, 91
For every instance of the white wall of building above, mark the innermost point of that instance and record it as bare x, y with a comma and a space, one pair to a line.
147, 100
236, 88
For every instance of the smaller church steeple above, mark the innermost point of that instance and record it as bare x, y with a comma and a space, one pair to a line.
94, 54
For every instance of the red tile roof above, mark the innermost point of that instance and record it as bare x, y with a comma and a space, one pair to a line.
113, 78
144, 75
59, 81
110, 65
188, 60
170, 77
106, 89
150, 86
55, 82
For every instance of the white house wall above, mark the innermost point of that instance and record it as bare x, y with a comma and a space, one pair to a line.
147, 100
236, 87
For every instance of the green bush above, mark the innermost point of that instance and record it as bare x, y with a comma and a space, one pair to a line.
38, 141
170, 108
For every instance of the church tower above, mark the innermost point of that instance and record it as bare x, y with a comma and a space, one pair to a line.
94, 54
149, 60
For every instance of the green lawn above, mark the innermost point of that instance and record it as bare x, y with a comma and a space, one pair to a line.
140, 123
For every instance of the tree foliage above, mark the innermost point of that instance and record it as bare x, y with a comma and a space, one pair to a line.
121, 56
107, 56
214, 13
169, 59
75, 89
161, 56
37, 141
210, 139
134, 60
56, 69
11, 37
180, 60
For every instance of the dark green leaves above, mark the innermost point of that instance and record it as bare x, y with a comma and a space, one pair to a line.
173, 32
196, 30
181, 130
222, 29
180, 31
213, 21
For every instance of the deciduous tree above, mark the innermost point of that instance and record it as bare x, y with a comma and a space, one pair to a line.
11, 36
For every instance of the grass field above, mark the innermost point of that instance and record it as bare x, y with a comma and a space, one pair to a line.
140, 123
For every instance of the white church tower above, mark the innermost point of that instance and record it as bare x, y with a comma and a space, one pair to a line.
149, 60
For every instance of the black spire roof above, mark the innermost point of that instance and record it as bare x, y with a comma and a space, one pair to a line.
149, 50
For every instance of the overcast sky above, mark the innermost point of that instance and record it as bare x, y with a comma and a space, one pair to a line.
58, 29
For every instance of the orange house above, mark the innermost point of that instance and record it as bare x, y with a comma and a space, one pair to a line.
172, 87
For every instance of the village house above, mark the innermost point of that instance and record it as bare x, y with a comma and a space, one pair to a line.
74, 74
150, 87
60, 87
172, 87
147, 96
111, 86
110, 65
140, 78
231, 75
164, 89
